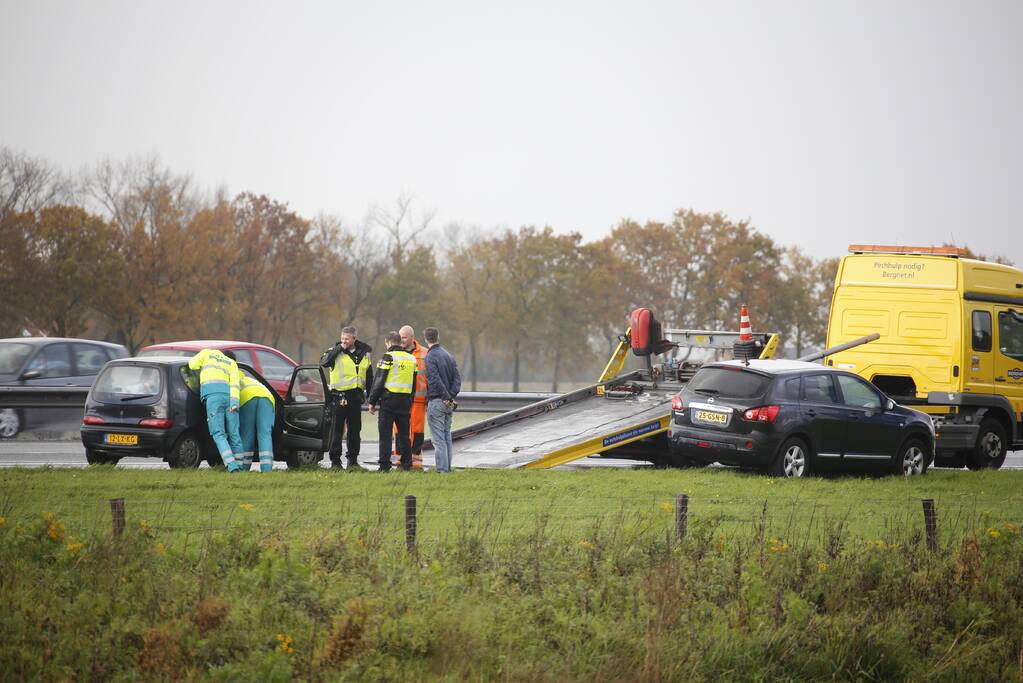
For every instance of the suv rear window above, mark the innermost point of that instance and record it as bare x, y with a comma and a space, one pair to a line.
119, 383
728, 382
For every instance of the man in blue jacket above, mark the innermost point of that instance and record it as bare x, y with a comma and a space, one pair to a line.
443, 382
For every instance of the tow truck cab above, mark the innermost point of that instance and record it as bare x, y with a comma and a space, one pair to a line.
951, 342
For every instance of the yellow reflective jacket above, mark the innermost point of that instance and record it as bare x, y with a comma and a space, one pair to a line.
218, 374
251, 389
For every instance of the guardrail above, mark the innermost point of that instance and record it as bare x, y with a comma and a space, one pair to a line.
74, 397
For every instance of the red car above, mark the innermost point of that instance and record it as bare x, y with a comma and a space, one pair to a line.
273, 365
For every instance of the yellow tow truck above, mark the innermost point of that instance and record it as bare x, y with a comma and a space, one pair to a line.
951, 342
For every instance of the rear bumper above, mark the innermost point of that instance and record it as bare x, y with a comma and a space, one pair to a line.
152, 442
755, 449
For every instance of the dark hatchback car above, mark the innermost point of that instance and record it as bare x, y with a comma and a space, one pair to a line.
792, 418
49, 362
150, 407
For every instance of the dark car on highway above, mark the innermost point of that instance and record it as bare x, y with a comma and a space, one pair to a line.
49, 362
150, 407
791, 418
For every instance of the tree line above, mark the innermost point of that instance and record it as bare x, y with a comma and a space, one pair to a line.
135, 253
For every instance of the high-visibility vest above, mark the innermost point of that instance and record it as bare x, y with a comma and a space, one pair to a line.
420, 353
347, 375
399, 372
251, 389
216, 373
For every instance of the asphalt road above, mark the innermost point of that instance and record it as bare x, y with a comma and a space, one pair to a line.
24, 453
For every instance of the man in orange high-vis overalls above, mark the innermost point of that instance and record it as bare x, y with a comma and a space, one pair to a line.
417, 419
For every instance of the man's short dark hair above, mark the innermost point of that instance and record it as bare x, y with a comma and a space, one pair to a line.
392, 339
349, 329
230, 354
431, 335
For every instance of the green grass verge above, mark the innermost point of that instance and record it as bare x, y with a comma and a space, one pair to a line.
518, 575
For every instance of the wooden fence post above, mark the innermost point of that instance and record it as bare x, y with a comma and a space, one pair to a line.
117, 516
931, 524
681, 515
410, 523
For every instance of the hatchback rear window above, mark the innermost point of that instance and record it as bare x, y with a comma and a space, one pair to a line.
128, 383
728, 382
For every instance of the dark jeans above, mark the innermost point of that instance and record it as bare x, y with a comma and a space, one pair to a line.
350, 415
385, 420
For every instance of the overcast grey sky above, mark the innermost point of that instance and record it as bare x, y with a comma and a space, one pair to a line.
824, 123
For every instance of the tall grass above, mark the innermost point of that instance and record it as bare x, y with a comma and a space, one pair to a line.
515, 576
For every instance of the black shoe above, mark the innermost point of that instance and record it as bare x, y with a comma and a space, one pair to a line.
355, 467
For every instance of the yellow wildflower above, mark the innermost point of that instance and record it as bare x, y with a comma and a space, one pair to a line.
1009, 527
73, 548
994, 533
777, 545
666, 506
248, 507
586, 544
285, 643
144, 525
161, 549
3, 520
49, 516
56, 531
823, 566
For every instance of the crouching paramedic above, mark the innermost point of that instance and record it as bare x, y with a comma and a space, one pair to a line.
351, 374
257, 423
219, 390
392, 395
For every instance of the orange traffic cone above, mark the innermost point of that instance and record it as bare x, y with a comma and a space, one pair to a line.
745, 329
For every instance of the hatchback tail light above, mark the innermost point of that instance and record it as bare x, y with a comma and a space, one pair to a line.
93, 420
159, 423
676, 403
761, 414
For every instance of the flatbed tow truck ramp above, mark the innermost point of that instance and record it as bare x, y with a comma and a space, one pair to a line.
621, 416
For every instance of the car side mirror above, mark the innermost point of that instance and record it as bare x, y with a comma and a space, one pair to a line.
889, 405
31, 374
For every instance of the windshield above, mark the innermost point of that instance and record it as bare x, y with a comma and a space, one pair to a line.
12, 357
128, 383
728, 382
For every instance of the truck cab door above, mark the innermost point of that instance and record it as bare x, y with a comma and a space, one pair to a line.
1008, 357
978, 366
306, 412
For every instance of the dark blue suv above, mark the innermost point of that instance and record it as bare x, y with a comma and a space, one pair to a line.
791, 418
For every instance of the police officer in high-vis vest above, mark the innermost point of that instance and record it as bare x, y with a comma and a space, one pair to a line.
256, 423
351, 375
392, 394
219, 389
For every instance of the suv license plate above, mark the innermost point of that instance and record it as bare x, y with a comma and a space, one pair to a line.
121, 439
712, 417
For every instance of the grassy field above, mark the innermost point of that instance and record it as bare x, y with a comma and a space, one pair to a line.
566, 575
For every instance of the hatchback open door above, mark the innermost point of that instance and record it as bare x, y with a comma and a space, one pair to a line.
308, 420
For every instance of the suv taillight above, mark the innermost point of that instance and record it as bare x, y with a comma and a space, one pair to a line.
159, 423
761, 414
93, 420
676, 403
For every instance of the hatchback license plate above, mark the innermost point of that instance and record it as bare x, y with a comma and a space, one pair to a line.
121, 439
712, 417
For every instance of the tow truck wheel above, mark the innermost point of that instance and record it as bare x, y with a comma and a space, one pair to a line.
992, 444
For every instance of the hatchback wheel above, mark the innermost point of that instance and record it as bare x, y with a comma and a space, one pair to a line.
992, 444
186, 453
10, 423
793, 459
912, 459
299, 459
